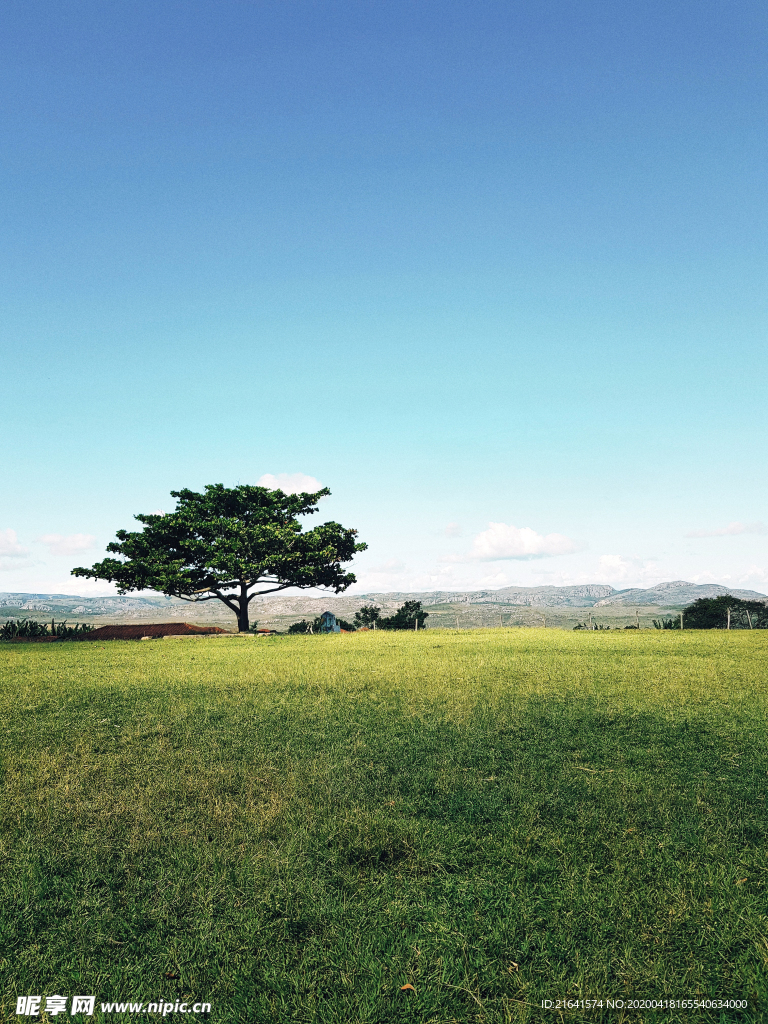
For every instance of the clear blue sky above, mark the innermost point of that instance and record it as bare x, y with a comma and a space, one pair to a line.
466, 263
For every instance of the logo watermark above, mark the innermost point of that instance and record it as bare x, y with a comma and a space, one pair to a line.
33, 1006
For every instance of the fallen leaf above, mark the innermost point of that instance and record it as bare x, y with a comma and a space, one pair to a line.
172, 976
409, 988
740, 880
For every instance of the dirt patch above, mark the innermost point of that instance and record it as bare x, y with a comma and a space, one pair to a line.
150, 629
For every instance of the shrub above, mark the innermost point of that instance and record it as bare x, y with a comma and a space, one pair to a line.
406, 617
299, 627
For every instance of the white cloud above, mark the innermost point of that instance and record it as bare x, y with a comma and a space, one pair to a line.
12, 554
290, 483
707, 576
453, 530
501, 541
58, 544
632, 571
9, 545
731, 530
394, 575
755, 573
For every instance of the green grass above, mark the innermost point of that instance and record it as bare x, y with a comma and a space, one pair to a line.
297, 827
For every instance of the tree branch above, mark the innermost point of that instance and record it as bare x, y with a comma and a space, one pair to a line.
229, 602
258, 593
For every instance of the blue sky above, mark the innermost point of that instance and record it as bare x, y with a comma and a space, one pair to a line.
493, 272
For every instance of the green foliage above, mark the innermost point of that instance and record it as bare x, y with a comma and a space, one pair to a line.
24, 628
367, 616
348, 626
405, 617
712, 613
71, 632
671, 623
299, 627
230, 544
299, 827
305, 626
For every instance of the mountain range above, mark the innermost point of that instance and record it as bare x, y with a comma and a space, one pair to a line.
159, 608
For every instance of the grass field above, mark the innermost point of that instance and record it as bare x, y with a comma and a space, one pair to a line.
297, 827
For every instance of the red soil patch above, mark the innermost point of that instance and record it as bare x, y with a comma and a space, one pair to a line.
34, 640
153, 629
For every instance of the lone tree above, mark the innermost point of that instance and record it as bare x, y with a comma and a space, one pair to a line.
367, 616
407, 616
230, 545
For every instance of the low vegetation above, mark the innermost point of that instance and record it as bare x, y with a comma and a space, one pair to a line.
14, 629
408, 616
379, 827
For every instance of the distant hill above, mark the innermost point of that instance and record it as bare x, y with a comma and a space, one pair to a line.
537, 597
30, 606
677, 593
156, 608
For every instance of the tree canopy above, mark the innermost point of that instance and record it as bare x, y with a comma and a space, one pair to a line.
408, 616
231, 545
367, 616
712, 613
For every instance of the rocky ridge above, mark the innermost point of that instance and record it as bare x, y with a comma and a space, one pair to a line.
155, 607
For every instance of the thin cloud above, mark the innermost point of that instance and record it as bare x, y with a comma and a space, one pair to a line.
504, 541
392, 565
58, 544
290, 483
453, 530
757, 573
731, 530
628, 570
12, 554
9, 545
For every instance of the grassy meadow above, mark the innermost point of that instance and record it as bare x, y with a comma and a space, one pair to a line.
294, 828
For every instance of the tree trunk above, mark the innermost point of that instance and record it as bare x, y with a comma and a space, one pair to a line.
242, 614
